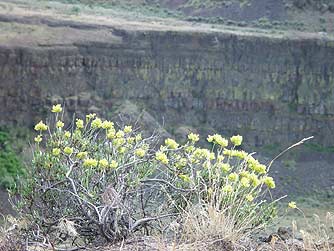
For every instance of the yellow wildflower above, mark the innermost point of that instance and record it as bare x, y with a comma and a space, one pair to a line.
119, 141
111, 133
127, 129
140, 152
249, 197
130, 140
162, 157
171, 143
68, 150
60, 124
240, 154
122, 149
107, 125
185, 178
120, 134
41, 126
96, 123
181, 163
220, 158
138, 137
189, 149
292, 204
225, 167
67, 134
55, 151
193, 137
254, 179
38, 139
90, 162
56, 108
113, 164
233, 177
236, 140
228, 189
269, 181
244, 174
218, 139
260, 168
245, 182
79, 123
90, 116
81, 155
207, 164
103, 162
210, 138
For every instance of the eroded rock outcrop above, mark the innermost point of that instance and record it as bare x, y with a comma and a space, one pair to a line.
268, 89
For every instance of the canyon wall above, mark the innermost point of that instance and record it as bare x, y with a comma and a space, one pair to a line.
271, 90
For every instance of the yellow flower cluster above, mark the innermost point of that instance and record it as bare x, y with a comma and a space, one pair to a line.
140, 152
68, 150
138, 137
90, 116
193, 137
107, 125
182, 162
233, 177
56, 108
269, 181
60, 124
228, 189
249, 197
38, 139
245, 182
218, 139
79, 123
254, 179
120, 134
127, 129
162, 157
67, 134
89, 162
170, 143
82, 155
103, 163
113, 164
185, 178
236, 140
235, 153
202, 154
111, 133
96, 123
41, 126
255, 165
225, 167
56, 151
292, 204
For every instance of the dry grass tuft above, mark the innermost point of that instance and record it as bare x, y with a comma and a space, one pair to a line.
319, 235
208, 224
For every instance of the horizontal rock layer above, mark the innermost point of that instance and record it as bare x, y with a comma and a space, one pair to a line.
270, 90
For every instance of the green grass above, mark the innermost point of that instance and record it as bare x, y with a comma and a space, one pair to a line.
319, 148
11, 167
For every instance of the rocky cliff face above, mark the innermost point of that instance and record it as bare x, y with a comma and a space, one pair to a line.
268, 89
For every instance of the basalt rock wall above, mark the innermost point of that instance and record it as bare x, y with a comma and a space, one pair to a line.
271, 90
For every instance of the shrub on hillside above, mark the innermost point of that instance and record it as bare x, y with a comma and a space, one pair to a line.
94, 180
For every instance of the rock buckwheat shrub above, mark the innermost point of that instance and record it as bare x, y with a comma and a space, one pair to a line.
95, 179
222, 191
